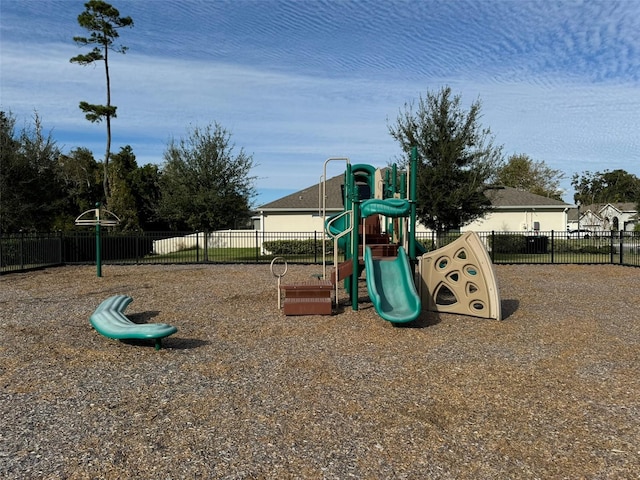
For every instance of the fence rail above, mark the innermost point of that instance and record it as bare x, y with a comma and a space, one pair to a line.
28, 251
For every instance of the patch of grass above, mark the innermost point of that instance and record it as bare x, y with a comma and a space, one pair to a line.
230, 255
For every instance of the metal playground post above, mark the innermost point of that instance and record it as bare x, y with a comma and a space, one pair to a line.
98, 221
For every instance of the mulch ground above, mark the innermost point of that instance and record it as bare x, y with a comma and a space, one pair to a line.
242, 391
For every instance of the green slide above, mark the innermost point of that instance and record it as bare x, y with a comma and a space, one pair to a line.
391, 288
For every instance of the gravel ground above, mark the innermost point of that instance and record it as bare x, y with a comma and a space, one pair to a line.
241, 391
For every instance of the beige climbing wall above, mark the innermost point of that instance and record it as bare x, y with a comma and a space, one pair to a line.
459, 278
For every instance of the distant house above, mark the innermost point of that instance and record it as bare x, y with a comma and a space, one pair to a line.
604, 217
514, 210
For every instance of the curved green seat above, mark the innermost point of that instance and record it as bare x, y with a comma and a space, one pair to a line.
109, 320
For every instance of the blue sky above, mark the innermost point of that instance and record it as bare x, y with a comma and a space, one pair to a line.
296, 82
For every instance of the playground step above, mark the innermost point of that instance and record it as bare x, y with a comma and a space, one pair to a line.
378, 238
310, 289
308, 298
381, 250
307, 306
372, 226
344, 270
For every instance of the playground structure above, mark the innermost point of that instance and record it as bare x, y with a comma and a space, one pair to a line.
376, 232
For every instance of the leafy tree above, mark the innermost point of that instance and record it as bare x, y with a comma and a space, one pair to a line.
145, 185
102, 21
30, 191
79, 174
606, 187
10, 172
457, 158
522, 172
204, 185
123, 201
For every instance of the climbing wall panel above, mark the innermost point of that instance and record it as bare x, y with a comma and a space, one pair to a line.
459, 278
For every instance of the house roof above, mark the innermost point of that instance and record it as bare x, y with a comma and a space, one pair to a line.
596, 209
308, 199
508, 197
627, 207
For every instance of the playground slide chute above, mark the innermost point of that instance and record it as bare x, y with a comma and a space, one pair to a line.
391, 288
336, 224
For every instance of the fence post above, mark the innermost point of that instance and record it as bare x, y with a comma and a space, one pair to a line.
621, 247
611, 247
61, 249
138, 237
21, 250
257, 247
315, 246
552, 246
206, 246
493, 246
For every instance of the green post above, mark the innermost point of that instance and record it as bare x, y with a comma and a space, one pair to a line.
348, 206
394, 184
98, 242
356, 257
414, 185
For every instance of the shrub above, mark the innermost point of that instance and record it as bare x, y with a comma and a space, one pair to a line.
297, 247
509, 243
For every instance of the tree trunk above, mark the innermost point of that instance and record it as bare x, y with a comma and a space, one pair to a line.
107, 154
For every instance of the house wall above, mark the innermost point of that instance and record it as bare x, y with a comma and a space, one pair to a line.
609, 213
604, 220
293, 222
501, 220
218, 239
512, 220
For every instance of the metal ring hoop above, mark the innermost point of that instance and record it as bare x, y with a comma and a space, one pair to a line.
286, 267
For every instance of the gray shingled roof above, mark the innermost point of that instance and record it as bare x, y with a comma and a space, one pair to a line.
307, 199
622, 206
626, 207
514, 197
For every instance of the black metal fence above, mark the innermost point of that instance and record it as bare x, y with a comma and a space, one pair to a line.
28, 251
611, 247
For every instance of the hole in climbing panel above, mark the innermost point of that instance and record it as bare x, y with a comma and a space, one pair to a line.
477, 305
442, 263
471, 270
462, 254
445, 296
454, 276
471, 288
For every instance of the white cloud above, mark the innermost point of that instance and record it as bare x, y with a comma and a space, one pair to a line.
298, 82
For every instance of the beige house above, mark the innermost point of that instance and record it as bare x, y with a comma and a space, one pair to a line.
598, 218
517, 210
514, 211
